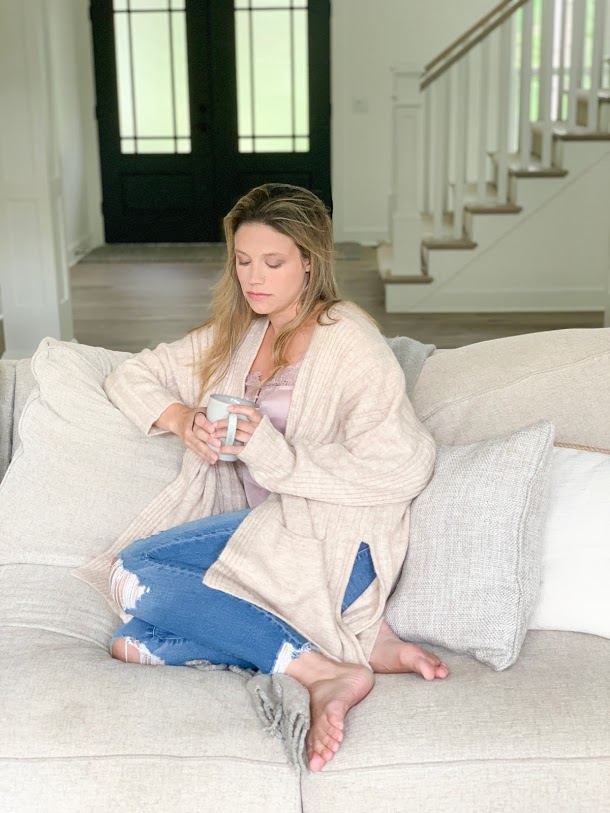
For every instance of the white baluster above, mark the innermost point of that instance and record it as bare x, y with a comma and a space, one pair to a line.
576, 55
483, 120
461, 139
562, 60
406, 217
546, 77
504, 69
596, 64
525, 135
427, 152
440, 151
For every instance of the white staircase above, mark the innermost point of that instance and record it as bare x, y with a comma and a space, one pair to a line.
502, 127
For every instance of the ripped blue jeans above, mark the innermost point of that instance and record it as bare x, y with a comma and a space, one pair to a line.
158, 580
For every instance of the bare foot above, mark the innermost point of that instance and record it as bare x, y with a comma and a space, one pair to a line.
391, 655
333, 689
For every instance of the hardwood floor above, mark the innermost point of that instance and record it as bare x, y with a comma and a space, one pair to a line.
136, 304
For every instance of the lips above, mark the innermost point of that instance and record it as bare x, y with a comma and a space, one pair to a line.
255, 295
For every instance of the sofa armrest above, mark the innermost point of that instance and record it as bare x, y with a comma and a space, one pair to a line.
16, 385
8, 374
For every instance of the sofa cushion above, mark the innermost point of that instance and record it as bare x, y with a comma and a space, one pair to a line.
83, 471
575, 590
471, 577
534, 738
84, 732
485, 389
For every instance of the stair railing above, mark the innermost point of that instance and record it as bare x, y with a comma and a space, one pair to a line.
515, 76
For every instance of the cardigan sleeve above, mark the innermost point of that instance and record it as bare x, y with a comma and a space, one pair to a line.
385, 456
144, 386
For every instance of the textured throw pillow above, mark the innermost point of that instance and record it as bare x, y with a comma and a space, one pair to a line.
575, 591
471, 577
83, 471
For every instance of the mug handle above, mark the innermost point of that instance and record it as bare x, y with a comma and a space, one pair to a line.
231, 429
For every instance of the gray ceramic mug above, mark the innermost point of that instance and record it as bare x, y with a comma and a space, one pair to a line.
217, 410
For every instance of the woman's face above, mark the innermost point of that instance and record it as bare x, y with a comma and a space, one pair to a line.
271, 271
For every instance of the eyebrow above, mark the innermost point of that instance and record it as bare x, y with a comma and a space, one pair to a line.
269, 254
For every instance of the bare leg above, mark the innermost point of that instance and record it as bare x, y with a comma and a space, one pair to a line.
131, 651
334, 688
390, 655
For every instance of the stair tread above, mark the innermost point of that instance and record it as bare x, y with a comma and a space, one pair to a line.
577, 133
534, 169
492, 208
580, 133
448, 241
411, 279
603, 94
471, 191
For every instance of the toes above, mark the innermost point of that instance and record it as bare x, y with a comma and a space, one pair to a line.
319, 755
330, 743
425, 668
316, 762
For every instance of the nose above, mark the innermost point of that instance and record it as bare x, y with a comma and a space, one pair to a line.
257, 273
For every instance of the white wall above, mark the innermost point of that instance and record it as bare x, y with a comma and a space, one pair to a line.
557, 258
74, 102
367, 39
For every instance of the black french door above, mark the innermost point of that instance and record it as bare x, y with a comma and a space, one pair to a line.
200, 100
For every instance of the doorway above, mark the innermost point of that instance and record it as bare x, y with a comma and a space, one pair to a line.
200, 100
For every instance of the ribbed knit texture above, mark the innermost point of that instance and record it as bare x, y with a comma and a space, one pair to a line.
353, 457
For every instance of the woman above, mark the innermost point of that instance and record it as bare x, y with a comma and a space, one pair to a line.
303, 538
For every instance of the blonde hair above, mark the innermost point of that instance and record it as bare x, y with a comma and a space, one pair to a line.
300, 215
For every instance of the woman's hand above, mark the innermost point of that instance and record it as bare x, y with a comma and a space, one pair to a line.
193, 429
245, 429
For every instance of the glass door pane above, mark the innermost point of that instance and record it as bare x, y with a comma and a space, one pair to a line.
271, 43
151, 62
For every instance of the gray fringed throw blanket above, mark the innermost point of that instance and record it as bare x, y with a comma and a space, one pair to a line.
282, 703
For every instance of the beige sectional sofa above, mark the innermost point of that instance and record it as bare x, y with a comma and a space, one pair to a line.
82, 732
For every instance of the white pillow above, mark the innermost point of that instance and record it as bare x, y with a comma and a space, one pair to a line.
575, 591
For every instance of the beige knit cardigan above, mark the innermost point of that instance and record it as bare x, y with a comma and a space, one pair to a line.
353, 457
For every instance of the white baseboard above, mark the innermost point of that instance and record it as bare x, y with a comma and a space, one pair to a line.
366, 236
79, 248
399, 299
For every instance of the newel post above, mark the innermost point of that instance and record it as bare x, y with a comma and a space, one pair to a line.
407, 165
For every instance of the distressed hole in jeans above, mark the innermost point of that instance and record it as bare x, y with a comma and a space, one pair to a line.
125, 586
289, 653
145, 655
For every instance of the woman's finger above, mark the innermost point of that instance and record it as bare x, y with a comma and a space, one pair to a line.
203, 450
250, 412
237, 450
220, 427
200, 420
204, 437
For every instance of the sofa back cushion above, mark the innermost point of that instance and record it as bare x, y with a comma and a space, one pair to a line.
483, 390
82, 471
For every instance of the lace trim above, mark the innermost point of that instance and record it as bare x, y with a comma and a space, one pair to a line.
285, 377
